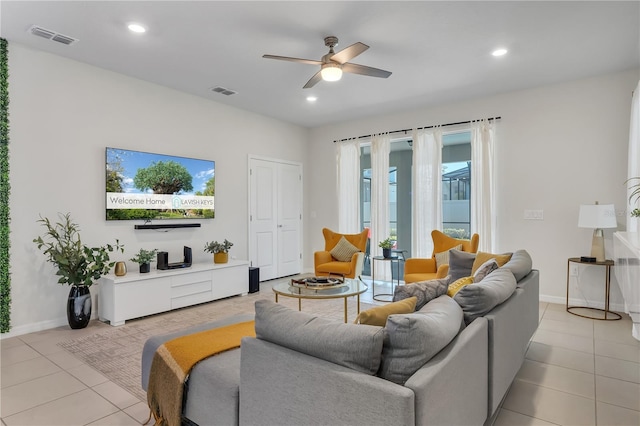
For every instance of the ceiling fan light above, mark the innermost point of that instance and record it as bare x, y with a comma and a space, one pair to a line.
331, 72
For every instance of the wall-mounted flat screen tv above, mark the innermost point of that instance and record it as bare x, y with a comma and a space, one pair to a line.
143, 185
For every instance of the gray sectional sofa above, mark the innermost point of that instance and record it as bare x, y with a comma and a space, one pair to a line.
447, 364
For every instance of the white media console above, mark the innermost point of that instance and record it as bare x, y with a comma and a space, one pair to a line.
136, 295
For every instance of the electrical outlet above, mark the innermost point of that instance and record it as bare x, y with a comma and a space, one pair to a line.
573, 270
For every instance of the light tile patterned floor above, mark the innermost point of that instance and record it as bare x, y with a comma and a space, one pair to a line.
577, 372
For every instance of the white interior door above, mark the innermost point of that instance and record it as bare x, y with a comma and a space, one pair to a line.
275, 217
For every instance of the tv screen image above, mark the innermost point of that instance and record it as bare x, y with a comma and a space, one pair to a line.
143, 185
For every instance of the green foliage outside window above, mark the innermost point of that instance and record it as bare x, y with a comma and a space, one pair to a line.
5, 279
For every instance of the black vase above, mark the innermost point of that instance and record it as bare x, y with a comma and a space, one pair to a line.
145, 267
79, 306
386, 253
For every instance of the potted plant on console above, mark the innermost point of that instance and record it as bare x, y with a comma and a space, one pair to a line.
220, 250
386, 246
78, 265
144, 258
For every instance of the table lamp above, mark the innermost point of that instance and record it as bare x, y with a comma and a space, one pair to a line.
597, 216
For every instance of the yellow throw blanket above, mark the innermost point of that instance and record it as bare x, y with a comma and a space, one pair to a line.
173, 361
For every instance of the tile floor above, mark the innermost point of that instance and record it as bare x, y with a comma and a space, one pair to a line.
577, 372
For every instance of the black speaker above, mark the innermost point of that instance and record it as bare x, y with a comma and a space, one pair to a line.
254, 280
187, 255
163, 260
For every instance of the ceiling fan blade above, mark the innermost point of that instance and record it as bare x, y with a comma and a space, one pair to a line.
349, 53
313, 80
286, 58
364, 70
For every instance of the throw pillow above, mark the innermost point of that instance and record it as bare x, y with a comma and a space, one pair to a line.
457, 285
520, 264
442, 258
378, 315
413, 339
482, 257
478, 299
485, 269
460, 264
344, 250
424, 291
358, 347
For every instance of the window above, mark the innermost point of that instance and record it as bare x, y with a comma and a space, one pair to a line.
456, 184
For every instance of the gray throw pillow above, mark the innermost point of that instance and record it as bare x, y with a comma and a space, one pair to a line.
423, 290
413, 339
478, 299
355, 346
485, 269
520, 264
460, 264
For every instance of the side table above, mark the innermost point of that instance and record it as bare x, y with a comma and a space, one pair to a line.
607, 290
392, 259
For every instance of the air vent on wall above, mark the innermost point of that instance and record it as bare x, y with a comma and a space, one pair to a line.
223, 90
51, 35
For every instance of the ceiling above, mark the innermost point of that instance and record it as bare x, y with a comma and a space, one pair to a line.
438, 52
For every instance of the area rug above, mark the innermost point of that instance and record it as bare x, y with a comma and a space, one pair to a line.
116, 352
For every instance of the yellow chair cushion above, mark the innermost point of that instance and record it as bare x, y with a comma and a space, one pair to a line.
378, 315
457, 285
482, 257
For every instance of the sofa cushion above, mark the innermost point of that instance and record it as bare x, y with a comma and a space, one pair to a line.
358, 347
478, 299
485, 269
413, 339
482, 257
460, 264
520, 264
442, 258
423, 290
378, 315
457, 285
344, 250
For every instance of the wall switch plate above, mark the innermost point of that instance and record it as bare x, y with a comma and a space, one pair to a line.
533, 214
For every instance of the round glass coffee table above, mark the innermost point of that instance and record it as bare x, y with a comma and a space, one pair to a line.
350, 287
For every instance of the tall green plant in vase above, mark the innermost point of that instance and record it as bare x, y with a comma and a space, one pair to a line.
77, 264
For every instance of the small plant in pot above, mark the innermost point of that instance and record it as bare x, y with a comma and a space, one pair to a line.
220, 250
386, 246
144, 258
78, 265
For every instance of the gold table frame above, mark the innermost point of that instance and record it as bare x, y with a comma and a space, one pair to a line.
351, 287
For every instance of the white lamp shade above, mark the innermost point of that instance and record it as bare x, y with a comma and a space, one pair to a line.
331, 72
597, 216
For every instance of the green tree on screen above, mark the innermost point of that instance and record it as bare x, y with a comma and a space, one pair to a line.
164, 177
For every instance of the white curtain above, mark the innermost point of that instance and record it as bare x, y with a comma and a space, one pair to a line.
483, 220
633, 168
348, 161
380, 148
427, 190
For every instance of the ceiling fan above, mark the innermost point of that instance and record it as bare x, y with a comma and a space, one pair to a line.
332, 65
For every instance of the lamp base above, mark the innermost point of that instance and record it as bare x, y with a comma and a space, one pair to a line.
597, 245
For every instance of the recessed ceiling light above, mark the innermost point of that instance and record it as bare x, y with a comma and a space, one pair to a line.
499, 52
136, 28
312, 98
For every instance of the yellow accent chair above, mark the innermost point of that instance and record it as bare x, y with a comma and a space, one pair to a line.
418, 269
325, 264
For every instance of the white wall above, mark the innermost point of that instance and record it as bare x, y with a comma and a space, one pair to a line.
62, 116
558, 147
